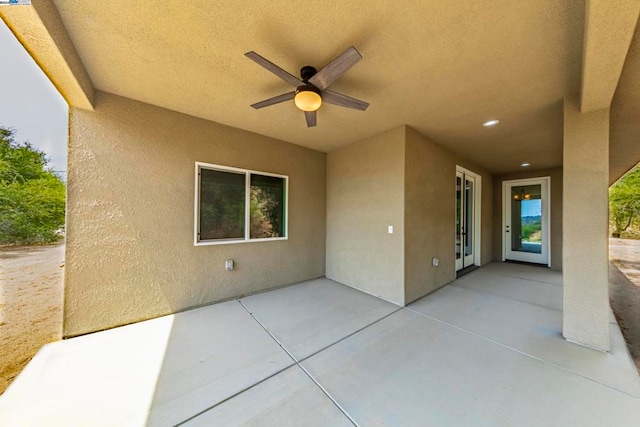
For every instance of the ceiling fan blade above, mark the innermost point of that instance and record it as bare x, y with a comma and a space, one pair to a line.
335, 98
275, 100
293, 81
311, 118
336, 68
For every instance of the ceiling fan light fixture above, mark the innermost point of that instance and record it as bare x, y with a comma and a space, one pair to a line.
307, 99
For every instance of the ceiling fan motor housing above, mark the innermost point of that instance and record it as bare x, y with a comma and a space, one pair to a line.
308, 97
307, 72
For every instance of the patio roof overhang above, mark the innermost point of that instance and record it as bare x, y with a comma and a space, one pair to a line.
40, 30
443, 68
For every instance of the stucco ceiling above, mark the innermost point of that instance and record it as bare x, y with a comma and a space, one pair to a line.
443, 67
624, 146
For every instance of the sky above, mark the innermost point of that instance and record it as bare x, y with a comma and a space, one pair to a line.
531, 207
30, 104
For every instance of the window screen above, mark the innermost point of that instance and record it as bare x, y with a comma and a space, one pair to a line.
222, 205
267, 206
239, 205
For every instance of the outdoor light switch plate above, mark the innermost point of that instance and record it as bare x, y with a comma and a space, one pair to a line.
435, 261
390, 229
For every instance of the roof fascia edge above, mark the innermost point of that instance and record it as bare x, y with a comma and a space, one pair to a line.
39, 28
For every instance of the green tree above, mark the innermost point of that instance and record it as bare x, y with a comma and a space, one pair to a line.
32, 197
624, 201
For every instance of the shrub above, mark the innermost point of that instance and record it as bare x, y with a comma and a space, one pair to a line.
32, 197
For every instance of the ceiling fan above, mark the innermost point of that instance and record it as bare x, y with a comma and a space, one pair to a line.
312, 90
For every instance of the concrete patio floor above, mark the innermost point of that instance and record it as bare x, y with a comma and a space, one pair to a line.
485, 350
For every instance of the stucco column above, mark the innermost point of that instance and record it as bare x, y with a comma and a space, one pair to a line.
585, 216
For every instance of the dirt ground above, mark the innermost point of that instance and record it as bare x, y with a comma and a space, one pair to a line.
31, 295
624, 290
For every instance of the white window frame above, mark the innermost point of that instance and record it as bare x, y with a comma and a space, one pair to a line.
247, 199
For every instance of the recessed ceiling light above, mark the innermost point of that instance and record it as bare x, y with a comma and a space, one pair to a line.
490, 123
524, 165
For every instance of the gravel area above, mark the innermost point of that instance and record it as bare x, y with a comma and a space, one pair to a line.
31, 296
624, 290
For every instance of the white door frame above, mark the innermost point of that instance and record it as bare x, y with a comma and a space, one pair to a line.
477, 215
545, 182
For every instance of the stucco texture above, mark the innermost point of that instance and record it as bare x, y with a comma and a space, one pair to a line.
130, 252
585, 239
365, 195
398, 178
430, 171
555, 215
41, 31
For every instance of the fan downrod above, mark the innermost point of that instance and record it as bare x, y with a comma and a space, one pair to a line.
307, 72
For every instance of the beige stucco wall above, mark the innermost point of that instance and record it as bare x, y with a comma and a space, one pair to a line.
365, 195
430, 214
130, 252
555, 217
398, 178
585, 237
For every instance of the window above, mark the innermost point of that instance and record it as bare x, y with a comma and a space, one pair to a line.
236, 205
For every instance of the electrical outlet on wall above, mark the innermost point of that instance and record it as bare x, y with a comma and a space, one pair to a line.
435, 262
228, 265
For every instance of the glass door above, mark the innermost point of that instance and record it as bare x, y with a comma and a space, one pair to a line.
465, 203
526, 233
